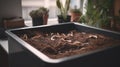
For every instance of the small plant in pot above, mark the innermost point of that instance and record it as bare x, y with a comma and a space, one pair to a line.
75, 14
63, 17
39, 16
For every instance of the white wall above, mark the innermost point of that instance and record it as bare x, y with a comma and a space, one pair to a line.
10, 8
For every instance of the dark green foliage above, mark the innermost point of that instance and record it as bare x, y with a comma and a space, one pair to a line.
98, 13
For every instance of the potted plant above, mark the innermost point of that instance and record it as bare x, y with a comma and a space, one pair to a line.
39, 16
75, 14
63, 17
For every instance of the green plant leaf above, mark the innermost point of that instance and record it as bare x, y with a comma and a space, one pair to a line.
58, 4
67, 4
63, 10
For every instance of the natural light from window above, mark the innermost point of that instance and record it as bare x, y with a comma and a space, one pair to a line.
28, 5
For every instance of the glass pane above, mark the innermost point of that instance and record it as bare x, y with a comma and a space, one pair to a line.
28, 5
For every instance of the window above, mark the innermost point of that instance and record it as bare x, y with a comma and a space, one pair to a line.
28, 5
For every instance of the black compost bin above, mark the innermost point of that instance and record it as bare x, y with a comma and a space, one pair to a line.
22, 54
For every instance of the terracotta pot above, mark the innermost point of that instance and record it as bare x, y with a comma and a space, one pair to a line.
45, 17
75, 16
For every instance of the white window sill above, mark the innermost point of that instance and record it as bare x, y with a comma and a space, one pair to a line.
50, 22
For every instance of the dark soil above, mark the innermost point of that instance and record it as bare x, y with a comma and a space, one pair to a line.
58, 45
